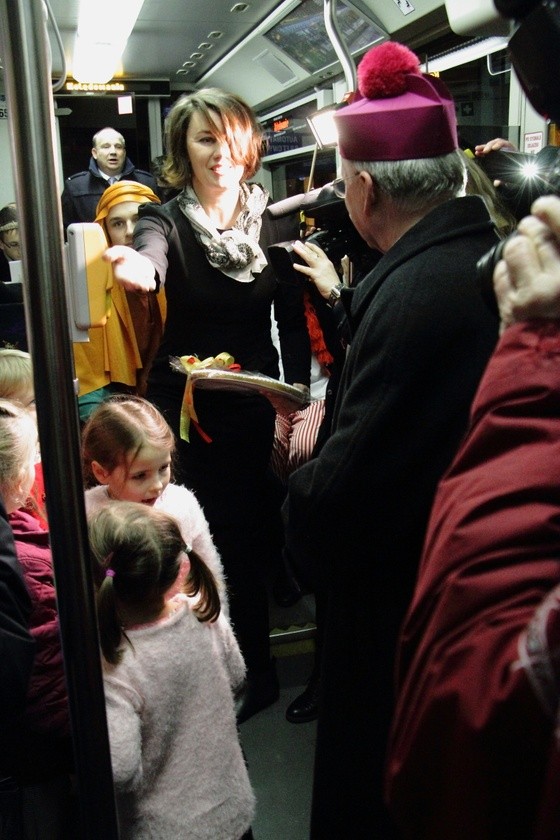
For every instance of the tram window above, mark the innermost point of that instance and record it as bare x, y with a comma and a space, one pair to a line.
481, 101
292, 177
297, 173
287, 131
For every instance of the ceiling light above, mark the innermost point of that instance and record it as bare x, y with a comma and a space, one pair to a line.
103, 31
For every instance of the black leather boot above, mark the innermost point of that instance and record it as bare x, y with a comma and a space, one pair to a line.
305, 708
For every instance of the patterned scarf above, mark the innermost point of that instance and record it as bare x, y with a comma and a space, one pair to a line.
235, 252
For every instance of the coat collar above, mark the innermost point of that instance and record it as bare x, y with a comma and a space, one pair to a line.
95, 171
26, 527
454, 219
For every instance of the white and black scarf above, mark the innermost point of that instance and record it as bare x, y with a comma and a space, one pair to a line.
235, 252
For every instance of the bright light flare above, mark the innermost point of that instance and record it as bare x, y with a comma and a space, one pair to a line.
530, 169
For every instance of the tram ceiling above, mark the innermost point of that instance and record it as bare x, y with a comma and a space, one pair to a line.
191, 43
168, 32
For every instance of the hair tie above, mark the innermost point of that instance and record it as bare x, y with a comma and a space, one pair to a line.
107, 563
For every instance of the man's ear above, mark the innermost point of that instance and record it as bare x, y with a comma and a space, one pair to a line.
370, 193
94, 153
100, 473
2, 245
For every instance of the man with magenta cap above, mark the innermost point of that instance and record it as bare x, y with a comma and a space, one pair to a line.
421, 337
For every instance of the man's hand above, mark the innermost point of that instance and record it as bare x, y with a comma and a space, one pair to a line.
319, 269
527, 279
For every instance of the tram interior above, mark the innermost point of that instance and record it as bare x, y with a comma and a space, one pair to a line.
278, 57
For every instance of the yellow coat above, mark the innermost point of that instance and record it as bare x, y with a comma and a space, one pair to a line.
111, 355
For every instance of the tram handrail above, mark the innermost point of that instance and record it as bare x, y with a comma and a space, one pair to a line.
24, 48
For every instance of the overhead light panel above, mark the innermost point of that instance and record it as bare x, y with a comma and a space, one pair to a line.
477, 48
103, 31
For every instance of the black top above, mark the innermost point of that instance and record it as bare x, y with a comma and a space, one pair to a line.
5, 276
12, 316
209, 313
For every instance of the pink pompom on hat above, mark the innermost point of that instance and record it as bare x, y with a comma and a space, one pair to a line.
398, 113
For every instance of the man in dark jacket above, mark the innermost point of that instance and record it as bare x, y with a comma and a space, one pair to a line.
107, 165
421, 338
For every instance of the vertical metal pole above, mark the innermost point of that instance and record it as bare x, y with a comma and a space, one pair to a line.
24, 48
340, 48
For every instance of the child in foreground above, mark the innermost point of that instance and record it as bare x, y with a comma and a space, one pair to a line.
171, 666
127, 447
16, 384
36, 750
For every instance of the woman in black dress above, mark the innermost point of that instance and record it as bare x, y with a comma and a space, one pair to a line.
207, 247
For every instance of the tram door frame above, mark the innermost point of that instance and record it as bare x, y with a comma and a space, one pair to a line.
25, 50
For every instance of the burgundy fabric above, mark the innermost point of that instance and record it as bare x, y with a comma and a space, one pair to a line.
471, 746
420, 123
47, 702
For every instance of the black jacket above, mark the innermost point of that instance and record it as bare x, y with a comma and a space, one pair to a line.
422, 335
83, 190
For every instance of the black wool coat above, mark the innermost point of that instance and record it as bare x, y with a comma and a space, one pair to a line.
357, 513
83, 190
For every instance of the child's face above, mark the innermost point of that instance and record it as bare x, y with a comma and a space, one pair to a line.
121, 221
142, 480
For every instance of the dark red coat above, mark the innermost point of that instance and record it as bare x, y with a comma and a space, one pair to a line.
38, 746
47, 701
470, 742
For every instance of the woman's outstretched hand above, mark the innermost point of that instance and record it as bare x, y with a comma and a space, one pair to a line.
133, 271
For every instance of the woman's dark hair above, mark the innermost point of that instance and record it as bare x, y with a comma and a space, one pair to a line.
136, 556
241, 131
